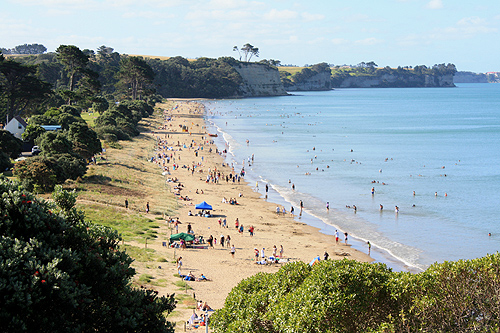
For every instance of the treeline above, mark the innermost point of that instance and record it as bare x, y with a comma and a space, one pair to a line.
349, 296
25, 49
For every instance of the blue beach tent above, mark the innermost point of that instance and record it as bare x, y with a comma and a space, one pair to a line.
204, 206
314, 261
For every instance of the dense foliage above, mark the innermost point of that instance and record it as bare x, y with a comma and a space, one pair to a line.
10, 148
59, 273
349, 296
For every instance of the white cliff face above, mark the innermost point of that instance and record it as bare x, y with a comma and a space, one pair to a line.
390, 80
259, 80
321, 81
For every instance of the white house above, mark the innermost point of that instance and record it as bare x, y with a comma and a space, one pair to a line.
16, 126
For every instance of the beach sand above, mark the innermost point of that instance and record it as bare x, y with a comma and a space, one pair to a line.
300, 241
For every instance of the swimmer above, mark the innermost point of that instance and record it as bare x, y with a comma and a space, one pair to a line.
327, 205
373, 190
381, 207
396, 209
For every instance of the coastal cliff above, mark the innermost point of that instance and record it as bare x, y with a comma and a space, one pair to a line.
394, 81
259, 80
318, 82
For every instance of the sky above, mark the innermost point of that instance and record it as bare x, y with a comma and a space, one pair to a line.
388, 32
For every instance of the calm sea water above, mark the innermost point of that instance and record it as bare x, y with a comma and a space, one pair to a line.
334, 146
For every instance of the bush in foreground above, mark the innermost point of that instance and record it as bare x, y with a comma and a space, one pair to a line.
349, 296
59, 273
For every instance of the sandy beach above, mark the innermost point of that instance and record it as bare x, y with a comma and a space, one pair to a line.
184, 138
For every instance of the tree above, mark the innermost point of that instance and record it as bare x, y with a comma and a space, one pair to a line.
9, 144
248, 51
10, 147
135, 74
32, 132
74, 61
84, 139
29, 49
60, 273
20, 89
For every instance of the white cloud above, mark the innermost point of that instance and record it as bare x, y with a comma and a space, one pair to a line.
312, 17
285, 14
435, 4
146, 14
339, 41
368, 41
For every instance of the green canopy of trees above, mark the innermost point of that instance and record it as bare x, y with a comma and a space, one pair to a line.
349, 296
60, 273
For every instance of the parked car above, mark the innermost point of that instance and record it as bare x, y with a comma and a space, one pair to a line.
35, 150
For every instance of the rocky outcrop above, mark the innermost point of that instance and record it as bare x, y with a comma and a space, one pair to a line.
470, 77
394, 81
259, 80
320, 81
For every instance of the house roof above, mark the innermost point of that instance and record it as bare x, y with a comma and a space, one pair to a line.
21, 121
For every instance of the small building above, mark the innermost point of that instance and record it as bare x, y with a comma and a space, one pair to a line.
16, 126
49, 128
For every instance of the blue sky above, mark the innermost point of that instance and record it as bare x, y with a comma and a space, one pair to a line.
389, 32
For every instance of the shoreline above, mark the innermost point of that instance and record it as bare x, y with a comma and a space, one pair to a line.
300, 241
377, 254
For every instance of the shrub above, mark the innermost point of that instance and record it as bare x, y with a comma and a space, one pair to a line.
59, 273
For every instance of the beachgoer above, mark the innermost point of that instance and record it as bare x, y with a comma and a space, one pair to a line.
147, 207
262, 253
345, 234
256, 252
369, 247
275, 250
222, 240
236, 223
336, 236
179, 265
281, 251
325, 256
126, 204
278, 210
189, 229
210, 241
291, 211
327, 205
251, 230
233, 250
301, 204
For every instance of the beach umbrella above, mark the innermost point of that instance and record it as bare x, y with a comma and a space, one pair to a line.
204, 206
314, 261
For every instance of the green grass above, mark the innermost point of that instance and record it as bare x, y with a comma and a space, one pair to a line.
132, 226
146, 278
140, 254
89, 117
182, 285
291, 70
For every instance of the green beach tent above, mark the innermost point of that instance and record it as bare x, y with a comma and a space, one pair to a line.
182, 235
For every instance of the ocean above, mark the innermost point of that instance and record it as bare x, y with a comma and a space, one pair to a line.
432, 152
